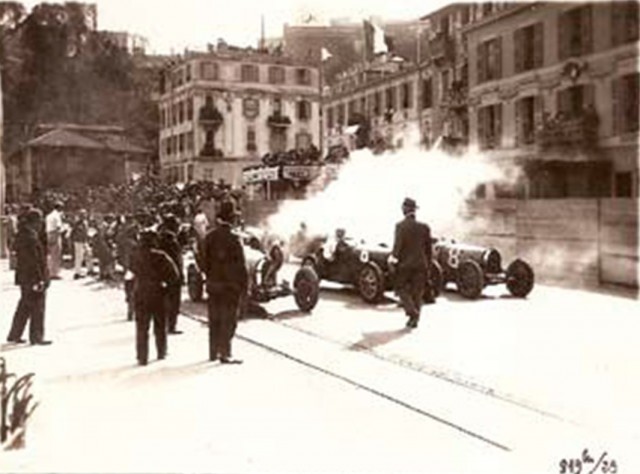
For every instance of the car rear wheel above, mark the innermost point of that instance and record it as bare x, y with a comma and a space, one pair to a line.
520, 278
371, 282
195, 282
306, 285
470, 279
434, 283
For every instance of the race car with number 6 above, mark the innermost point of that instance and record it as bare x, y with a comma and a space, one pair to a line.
365, 267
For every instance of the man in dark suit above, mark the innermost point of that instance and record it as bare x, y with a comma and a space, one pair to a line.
411, 255
227, 280
168, 242
153, 271
32, 277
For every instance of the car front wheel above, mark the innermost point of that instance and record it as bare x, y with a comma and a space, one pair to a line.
370, 282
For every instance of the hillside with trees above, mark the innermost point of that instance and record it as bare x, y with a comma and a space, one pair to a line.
58, 68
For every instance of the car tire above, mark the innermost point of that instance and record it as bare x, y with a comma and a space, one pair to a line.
434, 283
470, 279
370, 282
520, 278
195, 283
306, 288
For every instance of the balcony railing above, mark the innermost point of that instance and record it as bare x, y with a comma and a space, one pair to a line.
210, 116
277, 120
455, 98
210, 151
578, 131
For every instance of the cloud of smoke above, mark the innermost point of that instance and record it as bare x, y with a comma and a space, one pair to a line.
366, 197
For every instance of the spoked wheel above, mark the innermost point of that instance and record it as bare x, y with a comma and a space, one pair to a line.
306, 287
520, 278
371, 283
434, 283
195, 283
470, 279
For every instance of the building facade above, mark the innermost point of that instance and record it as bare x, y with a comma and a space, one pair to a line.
553, 88
223, 110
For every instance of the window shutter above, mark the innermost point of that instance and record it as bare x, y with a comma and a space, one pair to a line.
498, 58
617, 24
563, 36
616, 105
519, 124
498, 125
480, 63
518, 40
587, 29
481, 127
538, 45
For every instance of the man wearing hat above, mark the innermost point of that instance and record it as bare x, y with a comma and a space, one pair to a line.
54, 240
153, 271
411, 255
223, 263
32, 277
168, 242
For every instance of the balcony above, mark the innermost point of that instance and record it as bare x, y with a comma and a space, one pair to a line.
442, 48
277, 120
210, 151
577, 131
455, 98
210, 116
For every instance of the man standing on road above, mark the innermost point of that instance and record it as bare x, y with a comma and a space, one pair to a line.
54, 240
168, 243
411, 254
31, 276
227, 279
153, 271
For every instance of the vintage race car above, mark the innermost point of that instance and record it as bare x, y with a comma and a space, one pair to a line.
473, 267
262, 268
364, 266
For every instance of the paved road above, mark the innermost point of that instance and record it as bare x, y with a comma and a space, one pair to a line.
344, 390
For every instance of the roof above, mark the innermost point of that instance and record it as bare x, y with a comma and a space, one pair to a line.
65, 139
61, 138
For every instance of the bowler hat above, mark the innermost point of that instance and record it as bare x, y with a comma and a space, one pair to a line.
409, 204
227, 211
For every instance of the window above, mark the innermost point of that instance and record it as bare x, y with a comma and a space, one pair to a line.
573, 101
188, 73
427, 93
249, 73
175, 114
624, 22
490, 60
304, 110
181, 113
444, 85
189, 141
181, 143
529, 47
209, 71
303, 76
407, 98
575, 32
526, 109
624, 184
189, 109
377, 103
352, 108
625, 93
329, 117
363, 105
341, 114
490, 126
251, 139
208, 174
277, 105
465, 14
276, 75
303, 141
162, 117
390, 99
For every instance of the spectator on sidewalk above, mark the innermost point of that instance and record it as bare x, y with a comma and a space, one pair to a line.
54, 240
80, 238
153, 271
31, 276
227, 279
